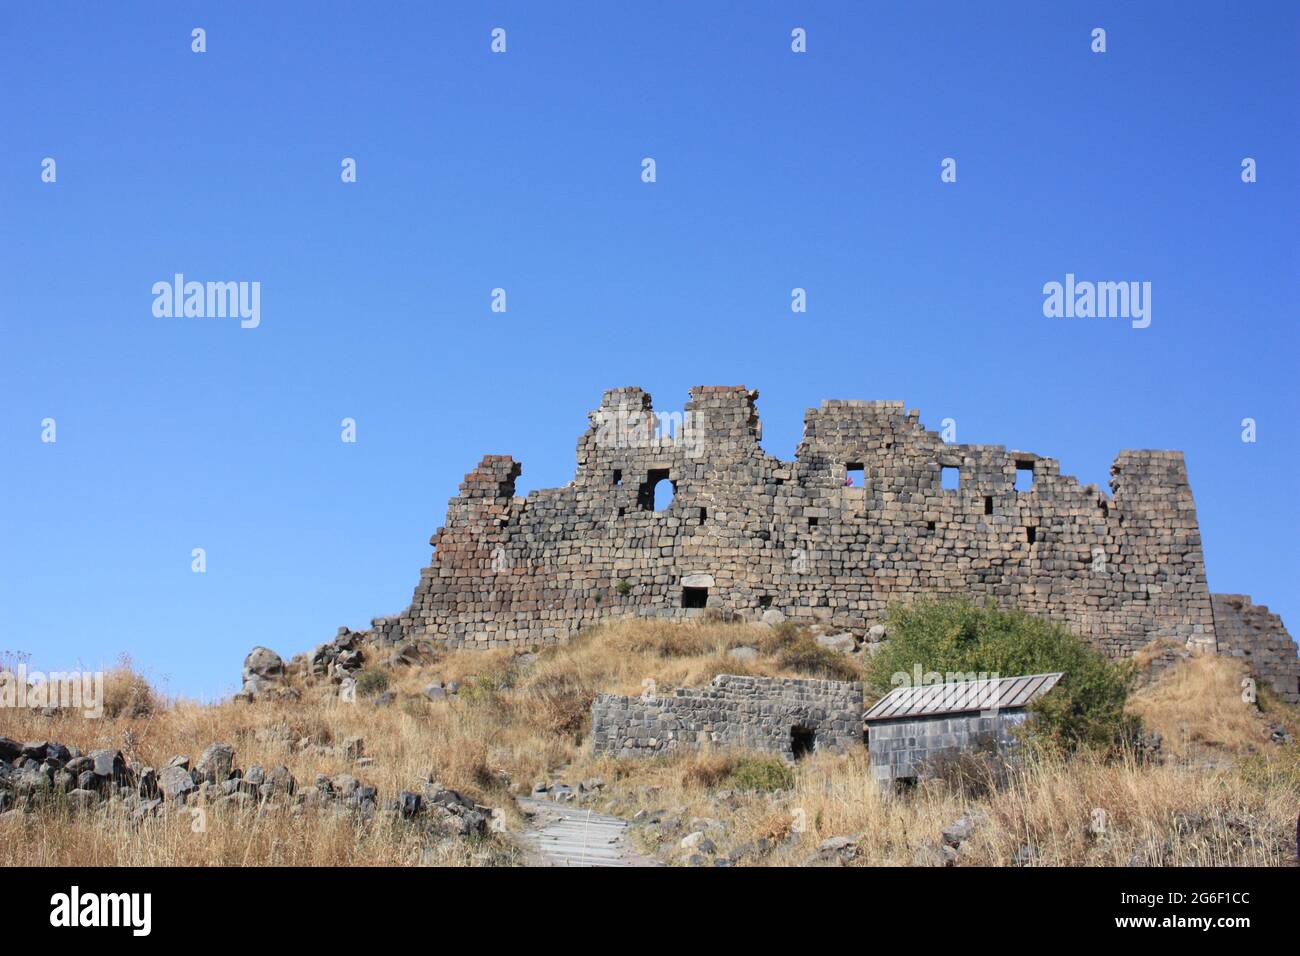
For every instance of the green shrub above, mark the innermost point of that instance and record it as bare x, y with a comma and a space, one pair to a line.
623, 587
372, 683
961, 638
761, 773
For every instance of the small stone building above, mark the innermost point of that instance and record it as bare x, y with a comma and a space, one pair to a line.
911, 726
788, 716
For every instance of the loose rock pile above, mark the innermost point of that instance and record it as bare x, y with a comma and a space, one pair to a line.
43, 774
339, 661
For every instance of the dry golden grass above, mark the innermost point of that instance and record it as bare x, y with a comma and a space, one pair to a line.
1197, 708
514, 724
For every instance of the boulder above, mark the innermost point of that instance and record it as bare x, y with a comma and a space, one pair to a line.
215, 763
961, 829
844, 643
263, 671
145, 809
58, 752
405, 655
743, 653
174, 783
773, 618
36, 750
147, 783
109, 764
409, 804
877, 633
80, 765
279, 782
30, 781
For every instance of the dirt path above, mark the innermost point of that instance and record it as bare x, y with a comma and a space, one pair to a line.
560, 834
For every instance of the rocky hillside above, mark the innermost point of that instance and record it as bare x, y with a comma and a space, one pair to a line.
368, 754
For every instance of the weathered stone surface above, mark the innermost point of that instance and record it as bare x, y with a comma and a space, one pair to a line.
756, 713
263, 672
174, 783
216, 762
748, 534
109, 764
844, 643
1253, 633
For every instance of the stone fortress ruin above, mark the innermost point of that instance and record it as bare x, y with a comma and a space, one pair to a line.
873, 510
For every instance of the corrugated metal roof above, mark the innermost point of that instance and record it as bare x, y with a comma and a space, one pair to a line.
963, 697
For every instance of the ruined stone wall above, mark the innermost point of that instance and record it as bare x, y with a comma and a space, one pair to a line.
751, 713
1252, 632
747, 531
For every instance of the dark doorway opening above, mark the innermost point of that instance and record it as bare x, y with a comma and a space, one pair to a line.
803, 741
904, 784
695, 597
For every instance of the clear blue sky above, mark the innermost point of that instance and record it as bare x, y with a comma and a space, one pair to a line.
522, 171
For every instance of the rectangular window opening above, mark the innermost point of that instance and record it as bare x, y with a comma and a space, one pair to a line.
618, 477
856, 475
950, 480
1031, 534
988, 504
812, 522
1024, 476
704, 515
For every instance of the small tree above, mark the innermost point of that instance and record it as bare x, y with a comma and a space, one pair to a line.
952, 636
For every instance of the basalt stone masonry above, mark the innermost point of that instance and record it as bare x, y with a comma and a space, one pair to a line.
874, 510
780, 715
1253, 633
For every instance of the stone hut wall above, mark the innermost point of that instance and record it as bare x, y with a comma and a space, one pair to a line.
751, 713
900, 749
